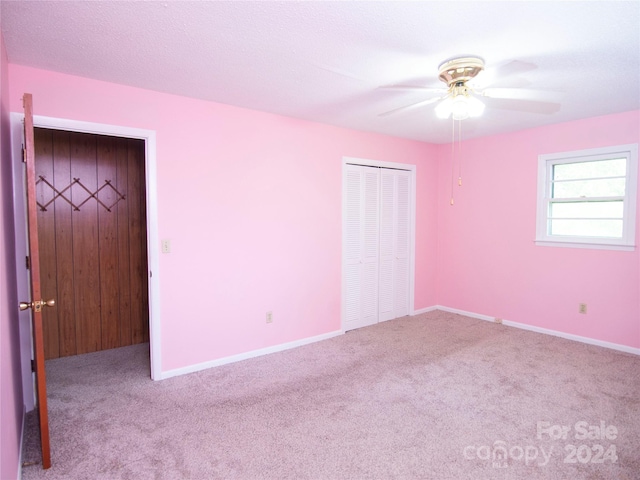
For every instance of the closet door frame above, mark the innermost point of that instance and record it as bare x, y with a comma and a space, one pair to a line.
412, 224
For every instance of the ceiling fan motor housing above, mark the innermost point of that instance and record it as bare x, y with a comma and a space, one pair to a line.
460, 70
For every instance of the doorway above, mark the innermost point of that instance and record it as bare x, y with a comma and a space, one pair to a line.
153, 242
90, 193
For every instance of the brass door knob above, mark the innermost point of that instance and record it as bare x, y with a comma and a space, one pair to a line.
37, 305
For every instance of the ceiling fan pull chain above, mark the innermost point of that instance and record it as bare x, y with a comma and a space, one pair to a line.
459, 153
453, 150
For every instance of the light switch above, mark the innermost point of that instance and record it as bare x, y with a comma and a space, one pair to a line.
166, 246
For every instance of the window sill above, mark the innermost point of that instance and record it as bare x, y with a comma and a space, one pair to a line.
591, 245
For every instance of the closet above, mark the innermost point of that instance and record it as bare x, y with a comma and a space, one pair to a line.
377, 241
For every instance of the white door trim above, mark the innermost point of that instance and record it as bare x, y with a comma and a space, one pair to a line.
149, 137
412, 224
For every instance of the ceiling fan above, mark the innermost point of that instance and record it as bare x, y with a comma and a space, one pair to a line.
460, 98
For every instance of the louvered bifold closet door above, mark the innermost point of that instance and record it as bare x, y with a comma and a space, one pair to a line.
362, 207
394, 244
387, 240
401, 244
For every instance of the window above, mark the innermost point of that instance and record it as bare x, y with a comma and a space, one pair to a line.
588, 198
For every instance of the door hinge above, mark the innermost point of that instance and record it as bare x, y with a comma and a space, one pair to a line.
24, 156
33, 365
27, 262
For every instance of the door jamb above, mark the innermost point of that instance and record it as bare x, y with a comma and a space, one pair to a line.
149, 137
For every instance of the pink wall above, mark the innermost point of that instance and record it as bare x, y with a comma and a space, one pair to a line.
487, 260
252, 205
11, 404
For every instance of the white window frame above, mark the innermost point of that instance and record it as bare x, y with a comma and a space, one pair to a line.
545, 169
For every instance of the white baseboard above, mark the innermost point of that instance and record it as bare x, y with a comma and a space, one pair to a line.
577, 338
546, 331
424, 310
245, 356
305, 341
465, 313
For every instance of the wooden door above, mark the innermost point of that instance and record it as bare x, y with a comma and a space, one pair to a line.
91, 211
35, 303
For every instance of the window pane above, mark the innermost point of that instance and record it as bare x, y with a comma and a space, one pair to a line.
584, 197
597, 169
587, 210
609, 187
587, 228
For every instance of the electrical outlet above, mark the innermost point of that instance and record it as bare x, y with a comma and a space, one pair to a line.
582, 308
269, 317
166, 246
497, 320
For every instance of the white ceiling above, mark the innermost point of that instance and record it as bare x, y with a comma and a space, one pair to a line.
324, 61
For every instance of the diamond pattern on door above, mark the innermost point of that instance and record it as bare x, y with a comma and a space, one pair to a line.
76, 181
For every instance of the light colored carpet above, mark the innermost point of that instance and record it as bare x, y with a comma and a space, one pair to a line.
429, 397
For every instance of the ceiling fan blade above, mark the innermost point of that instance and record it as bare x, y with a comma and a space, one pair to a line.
411, 107
545, 108
507, 73
486, 82
412, 87
521, 94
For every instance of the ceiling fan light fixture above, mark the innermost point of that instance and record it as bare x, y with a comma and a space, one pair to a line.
460, 103
443, 109
475, 106
460, 107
